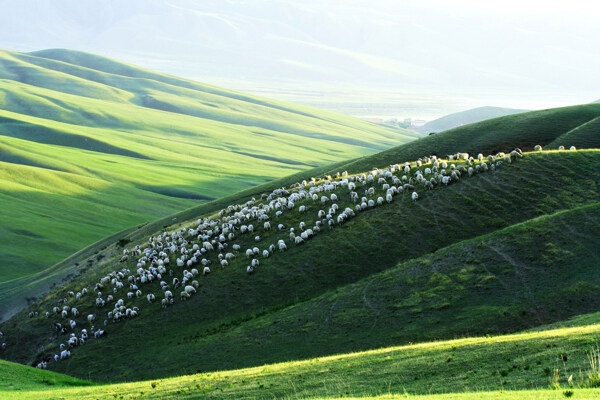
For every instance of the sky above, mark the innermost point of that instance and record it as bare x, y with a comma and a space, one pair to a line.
415, 59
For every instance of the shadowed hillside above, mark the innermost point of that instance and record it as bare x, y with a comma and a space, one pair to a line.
374, 241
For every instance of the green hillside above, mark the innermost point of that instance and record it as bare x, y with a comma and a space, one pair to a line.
466, 117
525, 130
518, 366
544, 126
90, 146
537, 127
234, 306
584, 136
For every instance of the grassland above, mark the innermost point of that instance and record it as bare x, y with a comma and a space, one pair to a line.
239, 320
90, 146
517, 366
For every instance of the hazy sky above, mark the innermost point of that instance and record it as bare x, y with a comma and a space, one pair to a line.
405, 58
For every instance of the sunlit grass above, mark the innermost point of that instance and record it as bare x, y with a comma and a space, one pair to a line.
463, 368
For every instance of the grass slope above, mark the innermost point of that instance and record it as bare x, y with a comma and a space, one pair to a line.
90, 146
17, 377
466, 117
541, 183
518, 366
583, 136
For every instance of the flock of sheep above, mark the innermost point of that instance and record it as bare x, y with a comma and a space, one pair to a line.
175, 261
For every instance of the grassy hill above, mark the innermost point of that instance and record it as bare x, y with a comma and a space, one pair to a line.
504, 133
466, 117
518, 366
537, 127
90, 146
234, 306
584, 136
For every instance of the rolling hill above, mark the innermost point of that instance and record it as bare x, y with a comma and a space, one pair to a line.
90, 146
584, 136
498, 252
465, 117
528, 129
292, 290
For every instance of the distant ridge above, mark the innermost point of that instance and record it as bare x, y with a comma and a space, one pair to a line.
466, 117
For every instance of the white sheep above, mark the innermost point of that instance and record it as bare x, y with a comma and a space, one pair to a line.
190, 289
537, 147
206, 271
91, 318
415, 196
572, 148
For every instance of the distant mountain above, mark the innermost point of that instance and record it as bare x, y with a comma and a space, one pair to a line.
465, 117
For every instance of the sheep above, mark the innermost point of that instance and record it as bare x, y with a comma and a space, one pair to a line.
249, 269
537, 147
224, 263
561, 147
150, 297
265, 253
184, 295
64, 354
190, 289
414, 196
206, 271
281, 245
257, 238
572, 148
91, 318
302, 209
168, 295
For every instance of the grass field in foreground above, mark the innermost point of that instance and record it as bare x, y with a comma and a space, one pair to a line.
510, 366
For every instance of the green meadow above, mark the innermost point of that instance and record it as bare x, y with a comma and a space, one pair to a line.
90, 146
